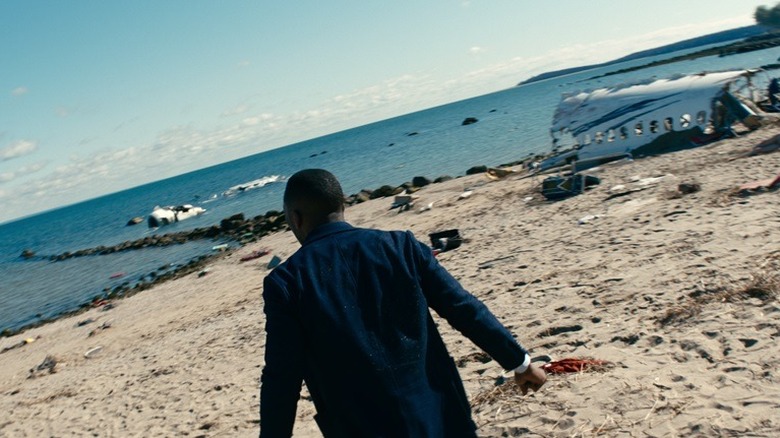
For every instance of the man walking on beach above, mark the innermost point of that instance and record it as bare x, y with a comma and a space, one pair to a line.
348, 314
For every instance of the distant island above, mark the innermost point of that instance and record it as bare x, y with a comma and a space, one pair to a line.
758, 34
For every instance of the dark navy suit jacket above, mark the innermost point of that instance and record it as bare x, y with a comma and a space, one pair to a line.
348, 314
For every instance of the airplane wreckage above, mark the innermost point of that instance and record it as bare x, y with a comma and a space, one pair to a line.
648, 118
652, 117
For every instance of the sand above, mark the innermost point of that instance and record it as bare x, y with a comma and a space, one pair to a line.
653, 281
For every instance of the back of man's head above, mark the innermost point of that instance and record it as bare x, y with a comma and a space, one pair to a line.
314, 192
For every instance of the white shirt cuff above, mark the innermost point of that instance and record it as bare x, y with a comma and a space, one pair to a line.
526, 363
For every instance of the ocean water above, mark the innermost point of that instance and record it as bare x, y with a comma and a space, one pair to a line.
513, 124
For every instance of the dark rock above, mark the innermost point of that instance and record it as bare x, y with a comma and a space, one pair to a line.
412, 134
420, 181
27, 254
469, 121
382, 192
476, 169
135, 221
442, 179
688, 188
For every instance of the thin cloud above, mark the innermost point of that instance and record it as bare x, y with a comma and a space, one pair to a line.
243, 64
18, 149
476, 50
239, 109
6, 177
19, 91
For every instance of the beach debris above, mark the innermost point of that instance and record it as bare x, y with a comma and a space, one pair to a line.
528, 199
587, 219
496, 173
561, 187
221, 247
646, 181
575, 365
688, 188
20, 344
203, 273
469, 121
254, 255
49, 365
134, 221
446, 240
404, 202
105, 325
465, 194
93, 351
275, 261
768, 183
426, 207
167, 215
624, 193
84, 322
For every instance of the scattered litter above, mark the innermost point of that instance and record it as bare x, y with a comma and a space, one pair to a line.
560, 187
85, 322
404, 199
528, 199
688, 188
617, 188
649, 181
425, 208
107, 307
573, 365
275, 260
466, 194
204, 272
49, 364
587, 219
446, 240
254, 255
93, 351
20, 344
105, 325
764, 183
221, 247
495, 173
625, 193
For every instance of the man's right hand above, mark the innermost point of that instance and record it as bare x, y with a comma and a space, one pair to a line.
533, 378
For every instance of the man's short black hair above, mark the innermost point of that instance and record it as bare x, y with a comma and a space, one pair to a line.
316, 190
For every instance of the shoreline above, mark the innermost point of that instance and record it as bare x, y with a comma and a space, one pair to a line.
235, 228
651, 283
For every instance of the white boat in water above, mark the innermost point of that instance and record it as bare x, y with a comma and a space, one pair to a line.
651, 117
167, 215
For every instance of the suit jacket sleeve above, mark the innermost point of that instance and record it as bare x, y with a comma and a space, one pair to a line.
283, 372
465, 312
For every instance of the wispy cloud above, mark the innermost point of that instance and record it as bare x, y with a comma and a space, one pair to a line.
238, 109
6, 177
243, 64
17, 149
476, 50
19, 91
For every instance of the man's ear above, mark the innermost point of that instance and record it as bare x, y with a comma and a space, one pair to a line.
297, 218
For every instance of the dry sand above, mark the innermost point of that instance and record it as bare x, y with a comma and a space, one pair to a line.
652, 284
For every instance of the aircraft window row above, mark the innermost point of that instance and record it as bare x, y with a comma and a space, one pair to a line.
653, 127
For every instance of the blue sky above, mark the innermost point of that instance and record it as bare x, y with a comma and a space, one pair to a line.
98, 96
